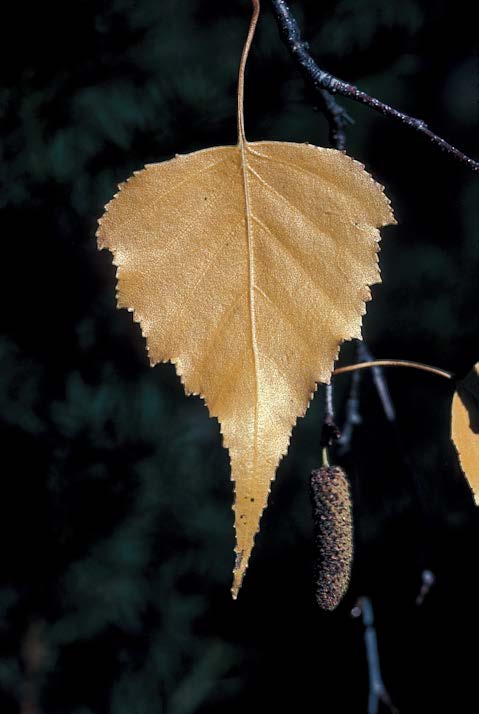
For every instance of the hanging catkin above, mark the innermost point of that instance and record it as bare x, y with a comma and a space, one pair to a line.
333, 534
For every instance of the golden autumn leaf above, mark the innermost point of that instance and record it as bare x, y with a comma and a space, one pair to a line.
247, 266
465, 427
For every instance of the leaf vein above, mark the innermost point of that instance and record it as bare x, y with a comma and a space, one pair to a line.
134, 218
282, 314
178, 315
317, 285
301, 169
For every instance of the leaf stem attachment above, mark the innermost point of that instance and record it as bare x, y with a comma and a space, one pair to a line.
244, 58
325, 457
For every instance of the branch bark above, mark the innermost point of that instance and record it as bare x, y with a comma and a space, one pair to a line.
364, 355
377, 691
322, 81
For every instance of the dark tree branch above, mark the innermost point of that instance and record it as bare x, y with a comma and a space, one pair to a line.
330, 432
353, 415
321, 80
428, 579
377, 691
336, 116
364, 355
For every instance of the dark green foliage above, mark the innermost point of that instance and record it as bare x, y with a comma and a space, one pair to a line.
117, 529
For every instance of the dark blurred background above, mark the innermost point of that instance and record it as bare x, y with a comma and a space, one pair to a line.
116, 522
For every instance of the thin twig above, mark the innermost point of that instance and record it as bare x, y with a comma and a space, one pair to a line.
353, 415
330, 432
394, 363
364, 355
337, 118
321, 80
329, 401
428, 580
377, 691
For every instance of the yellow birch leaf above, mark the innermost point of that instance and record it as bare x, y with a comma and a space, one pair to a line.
465, 427
247, 266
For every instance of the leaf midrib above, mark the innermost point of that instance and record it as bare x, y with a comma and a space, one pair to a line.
251, 294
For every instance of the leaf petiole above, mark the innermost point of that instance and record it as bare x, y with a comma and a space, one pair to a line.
325, 457
394, 363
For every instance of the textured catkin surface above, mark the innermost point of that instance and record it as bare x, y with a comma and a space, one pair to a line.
333, 534
246, 267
